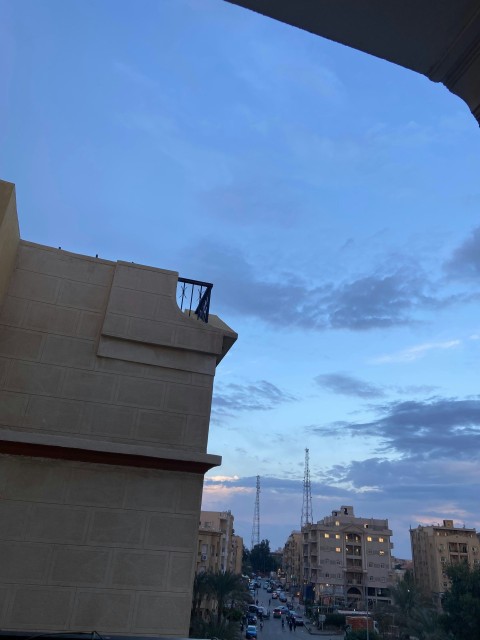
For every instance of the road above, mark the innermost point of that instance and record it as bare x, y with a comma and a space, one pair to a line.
272, 628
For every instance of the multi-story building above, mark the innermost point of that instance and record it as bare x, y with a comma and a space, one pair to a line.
105, 397
434, 547
221, 522
347, 560
237, 550
293, 560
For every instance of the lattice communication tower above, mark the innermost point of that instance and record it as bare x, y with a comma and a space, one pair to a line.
256, 517
307, 514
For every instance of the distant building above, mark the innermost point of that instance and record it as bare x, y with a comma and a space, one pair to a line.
212, 523
347, 560
237, 550
293, 560
434, 547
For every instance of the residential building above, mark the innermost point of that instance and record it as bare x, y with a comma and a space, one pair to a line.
347, 560
105, 397
237, 550
293, 560
434, 547
222, 522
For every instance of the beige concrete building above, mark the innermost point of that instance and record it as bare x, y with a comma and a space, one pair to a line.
347, 560
237, 551
434, 547
105, 396
292, 563
219, 521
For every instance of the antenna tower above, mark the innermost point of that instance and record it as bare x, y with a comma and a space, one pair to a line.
307, 514
256, 518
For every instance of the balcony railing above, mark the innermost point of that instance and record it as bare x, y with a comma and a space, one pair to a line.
194, 296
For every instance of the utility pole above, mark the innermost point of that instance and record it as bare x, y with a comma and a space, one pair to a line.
307, 514
256, 518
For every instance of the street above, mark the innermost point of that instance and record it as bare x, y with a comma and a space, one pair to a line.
272, 628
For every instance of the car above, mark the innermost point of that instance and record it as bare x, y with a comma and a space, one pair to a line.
269, 589
251, 631
298, 620
277, 612
251, 618
274, 595
282, 597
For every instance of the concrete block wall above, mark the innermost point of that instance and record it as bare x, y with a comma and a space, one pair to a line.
105, 396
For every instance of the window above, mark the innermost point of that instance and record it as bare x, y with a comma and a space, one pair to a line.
337, 536
380, 539
369, 538
326, 535
371, 578
381, 552
337, 523
365, 526
338, 549
370, 564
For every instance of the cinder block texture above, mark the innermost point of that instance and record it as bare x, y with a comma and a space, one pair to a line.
97, 349
86, 546
105, 397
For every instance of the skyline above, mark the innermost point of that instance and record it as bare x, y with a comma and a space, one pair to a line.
332, 199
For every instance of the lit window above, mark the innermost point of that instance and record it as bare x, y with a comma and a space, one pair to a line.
337, 523
338, 549
380, 539
326, 535
365, 526
337, 536
381, 552
369, 538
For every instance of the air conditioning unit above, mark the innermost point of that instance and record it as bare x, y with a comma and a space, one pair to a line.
204, 557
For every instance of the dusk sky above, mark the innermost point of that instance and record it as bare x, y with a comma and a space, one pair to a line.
331, 197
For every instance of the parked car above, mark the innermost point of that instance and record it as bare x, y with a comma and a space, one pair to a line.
251, 631
298, 620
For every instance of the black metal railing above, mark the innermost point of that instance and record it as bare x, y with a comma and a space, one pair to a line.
194, 296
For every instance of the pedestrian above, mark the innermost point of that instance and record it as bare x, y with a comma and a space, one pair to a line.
261, 624
294, 624
269, 601
256, 602
290, 624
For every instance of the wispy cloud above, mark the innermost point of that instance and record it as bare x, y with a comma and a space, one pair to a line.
418, 351
347, 385
233, 398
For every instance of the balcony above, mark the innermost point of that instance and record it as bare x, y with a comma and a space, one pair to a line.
193, 297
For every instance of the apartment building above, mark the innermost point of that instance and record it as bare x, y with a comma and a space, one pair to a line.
292, 565
434, 547
105, 397
237, 550
217, 552
347, 560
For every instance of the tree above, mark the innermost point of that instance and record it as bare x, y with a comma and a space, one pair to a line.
224, 587
201, 589
261, 559
461, 603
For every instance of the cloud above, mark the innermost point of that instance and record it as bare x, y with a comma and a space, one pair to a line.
347, 385
232, 398
465, 260
439, 428
418, 351
286, 299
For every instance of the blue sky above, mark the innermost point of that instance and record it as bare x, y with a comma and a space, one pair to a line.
332, 199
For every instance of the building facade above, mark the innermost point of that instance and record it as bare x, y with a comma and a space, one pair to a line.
219, 522
293, 560
105, 397
434, 547
347, 560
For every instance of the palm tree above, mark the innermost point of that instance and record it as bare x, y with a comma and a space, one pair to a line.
201, 589
223, 587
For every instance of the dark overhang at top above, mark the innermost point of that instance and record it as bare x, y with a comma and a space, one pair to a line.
437, 38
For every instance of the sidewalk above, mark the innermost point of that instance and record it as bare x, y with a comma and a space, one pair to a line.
324, 635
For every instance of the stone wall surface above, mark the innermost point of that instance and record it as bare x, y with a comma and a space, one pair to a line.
105, 396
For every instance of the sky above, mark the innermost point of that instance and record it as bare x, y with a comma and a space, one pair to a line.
332, 199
